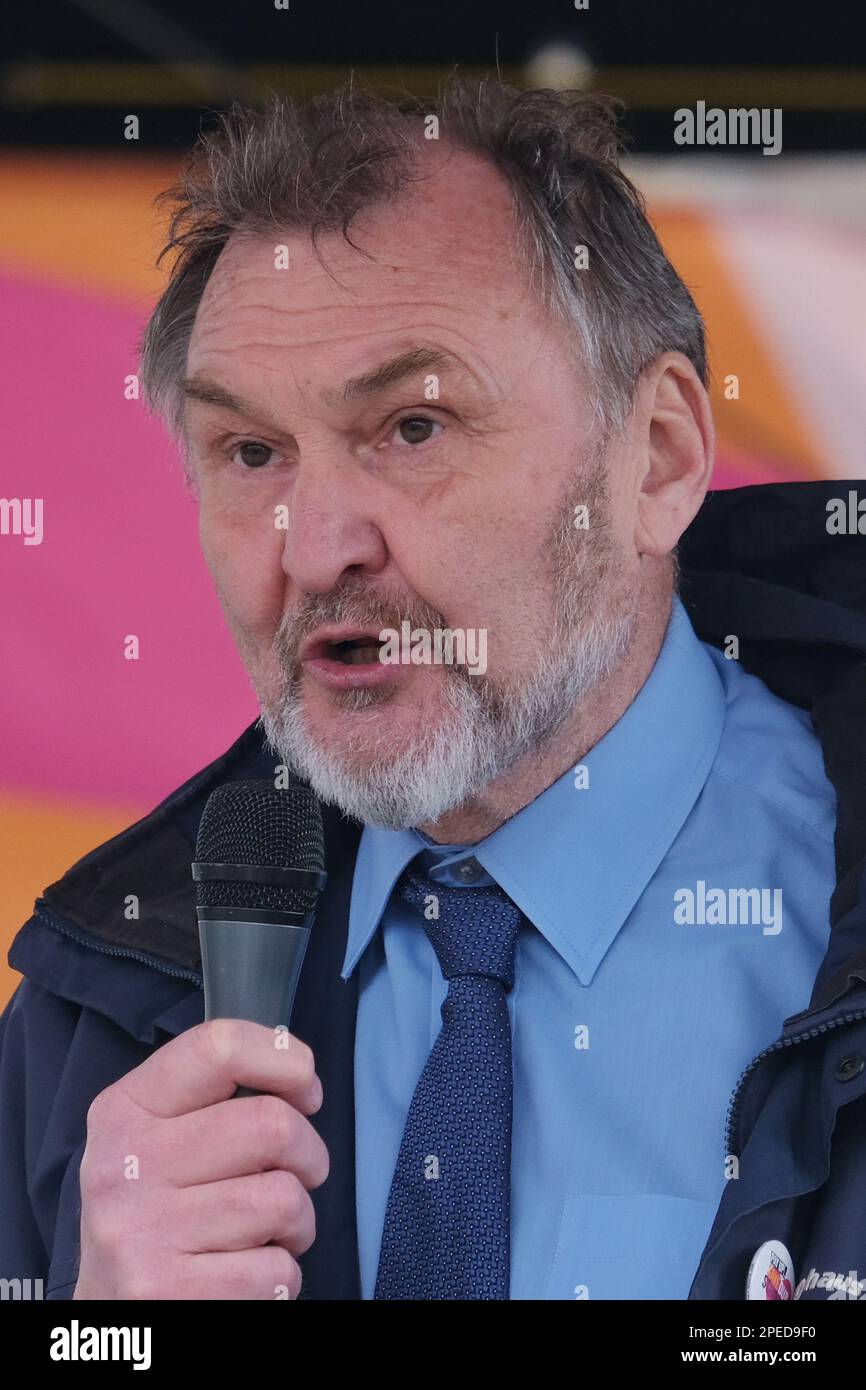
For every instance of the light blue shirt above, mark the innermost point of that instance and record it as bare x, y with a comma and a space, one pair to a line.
640, 994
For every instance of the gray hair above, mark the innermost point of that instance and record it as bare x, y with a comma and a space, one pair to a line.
313, 165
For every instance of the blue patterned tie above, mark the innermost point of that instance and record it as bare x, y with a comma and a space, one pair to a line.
446, 1230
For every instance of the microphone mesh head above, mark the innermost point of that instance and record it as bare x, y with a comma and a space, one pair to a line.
254, 822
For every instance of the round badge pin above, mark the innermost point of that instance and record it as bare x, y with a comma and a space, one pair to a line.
771, 1273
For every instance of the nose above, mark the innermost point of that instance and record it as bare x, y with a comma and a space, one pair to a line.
330, 529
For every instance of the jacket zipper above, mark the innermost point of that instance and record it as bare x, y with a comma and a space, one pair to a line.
177, 972
781, 1043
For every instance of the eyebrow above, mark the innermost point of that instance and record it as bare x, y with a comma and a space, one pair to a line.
387, 373
396, 369
200, 388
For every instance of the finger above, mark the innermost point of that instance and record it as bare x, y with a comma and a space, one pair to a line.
207, 1063
268, 1273
247, 1135
243, 1213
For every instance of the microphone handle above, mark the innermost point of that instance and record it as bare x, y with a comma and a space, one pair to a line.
251, 970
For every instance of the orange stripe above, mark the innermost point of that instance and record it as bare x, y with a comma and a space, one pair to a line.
86, 220
40, 839
766, 418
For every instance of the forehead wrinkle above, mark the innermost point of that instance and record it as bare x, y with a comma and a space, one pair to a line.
367, 290
479, 375
226, 303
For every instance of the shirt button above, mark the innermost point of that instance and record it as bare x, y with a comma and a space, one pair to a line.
468, 871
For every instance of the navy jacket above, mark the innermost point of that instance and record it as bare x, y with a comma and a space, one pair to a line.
101, 992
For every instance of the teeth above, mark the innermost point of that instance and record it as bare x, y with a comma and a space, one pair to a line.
361, 656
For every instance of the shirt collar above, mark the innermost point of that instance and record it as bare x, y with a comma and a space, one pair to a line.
576, 861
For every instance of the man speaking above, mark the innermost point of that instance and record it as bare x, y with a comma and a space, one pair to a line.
442, 404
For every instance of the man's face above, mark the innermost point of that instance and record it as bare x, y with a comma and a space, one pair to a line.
444, 495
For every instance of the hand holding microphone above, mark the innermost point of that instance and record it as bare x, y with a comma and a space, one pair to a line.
219, 1205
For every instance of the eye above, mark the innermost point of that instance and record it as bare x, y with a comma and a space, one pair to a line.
252, 453
416, 429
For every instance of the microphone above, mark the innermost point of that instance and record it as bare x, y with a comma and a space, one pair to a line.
258, 869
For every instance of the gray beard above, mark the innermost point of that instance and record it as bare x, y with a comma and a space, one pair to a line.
487, 725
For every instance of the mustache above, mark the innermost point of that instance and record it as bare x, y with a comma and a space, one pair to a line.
355, 605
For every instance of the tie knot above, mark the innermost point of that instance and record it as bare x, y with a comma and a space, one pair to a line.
472, 930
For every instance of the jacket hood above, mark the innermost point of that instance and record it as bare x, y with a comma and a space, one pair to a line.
762, 563
757, 562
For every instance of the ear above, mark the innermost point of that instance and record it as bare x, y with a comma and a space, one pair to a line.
678, 449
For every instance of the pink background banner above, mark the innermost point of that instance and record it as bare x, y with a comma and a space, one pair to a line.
90, 740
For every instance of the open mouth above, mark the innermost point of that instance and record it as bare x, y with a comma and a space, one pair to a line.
343, 658
345, 646
356, 651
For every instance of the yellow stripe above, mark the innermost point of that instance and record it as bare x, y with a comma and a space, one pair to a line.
135, 85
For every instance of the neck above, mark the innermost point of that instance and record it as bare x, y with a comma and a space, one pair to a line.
588, 722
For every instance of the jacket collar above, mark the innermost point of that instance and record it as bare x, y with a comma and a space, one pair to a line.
145, 870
